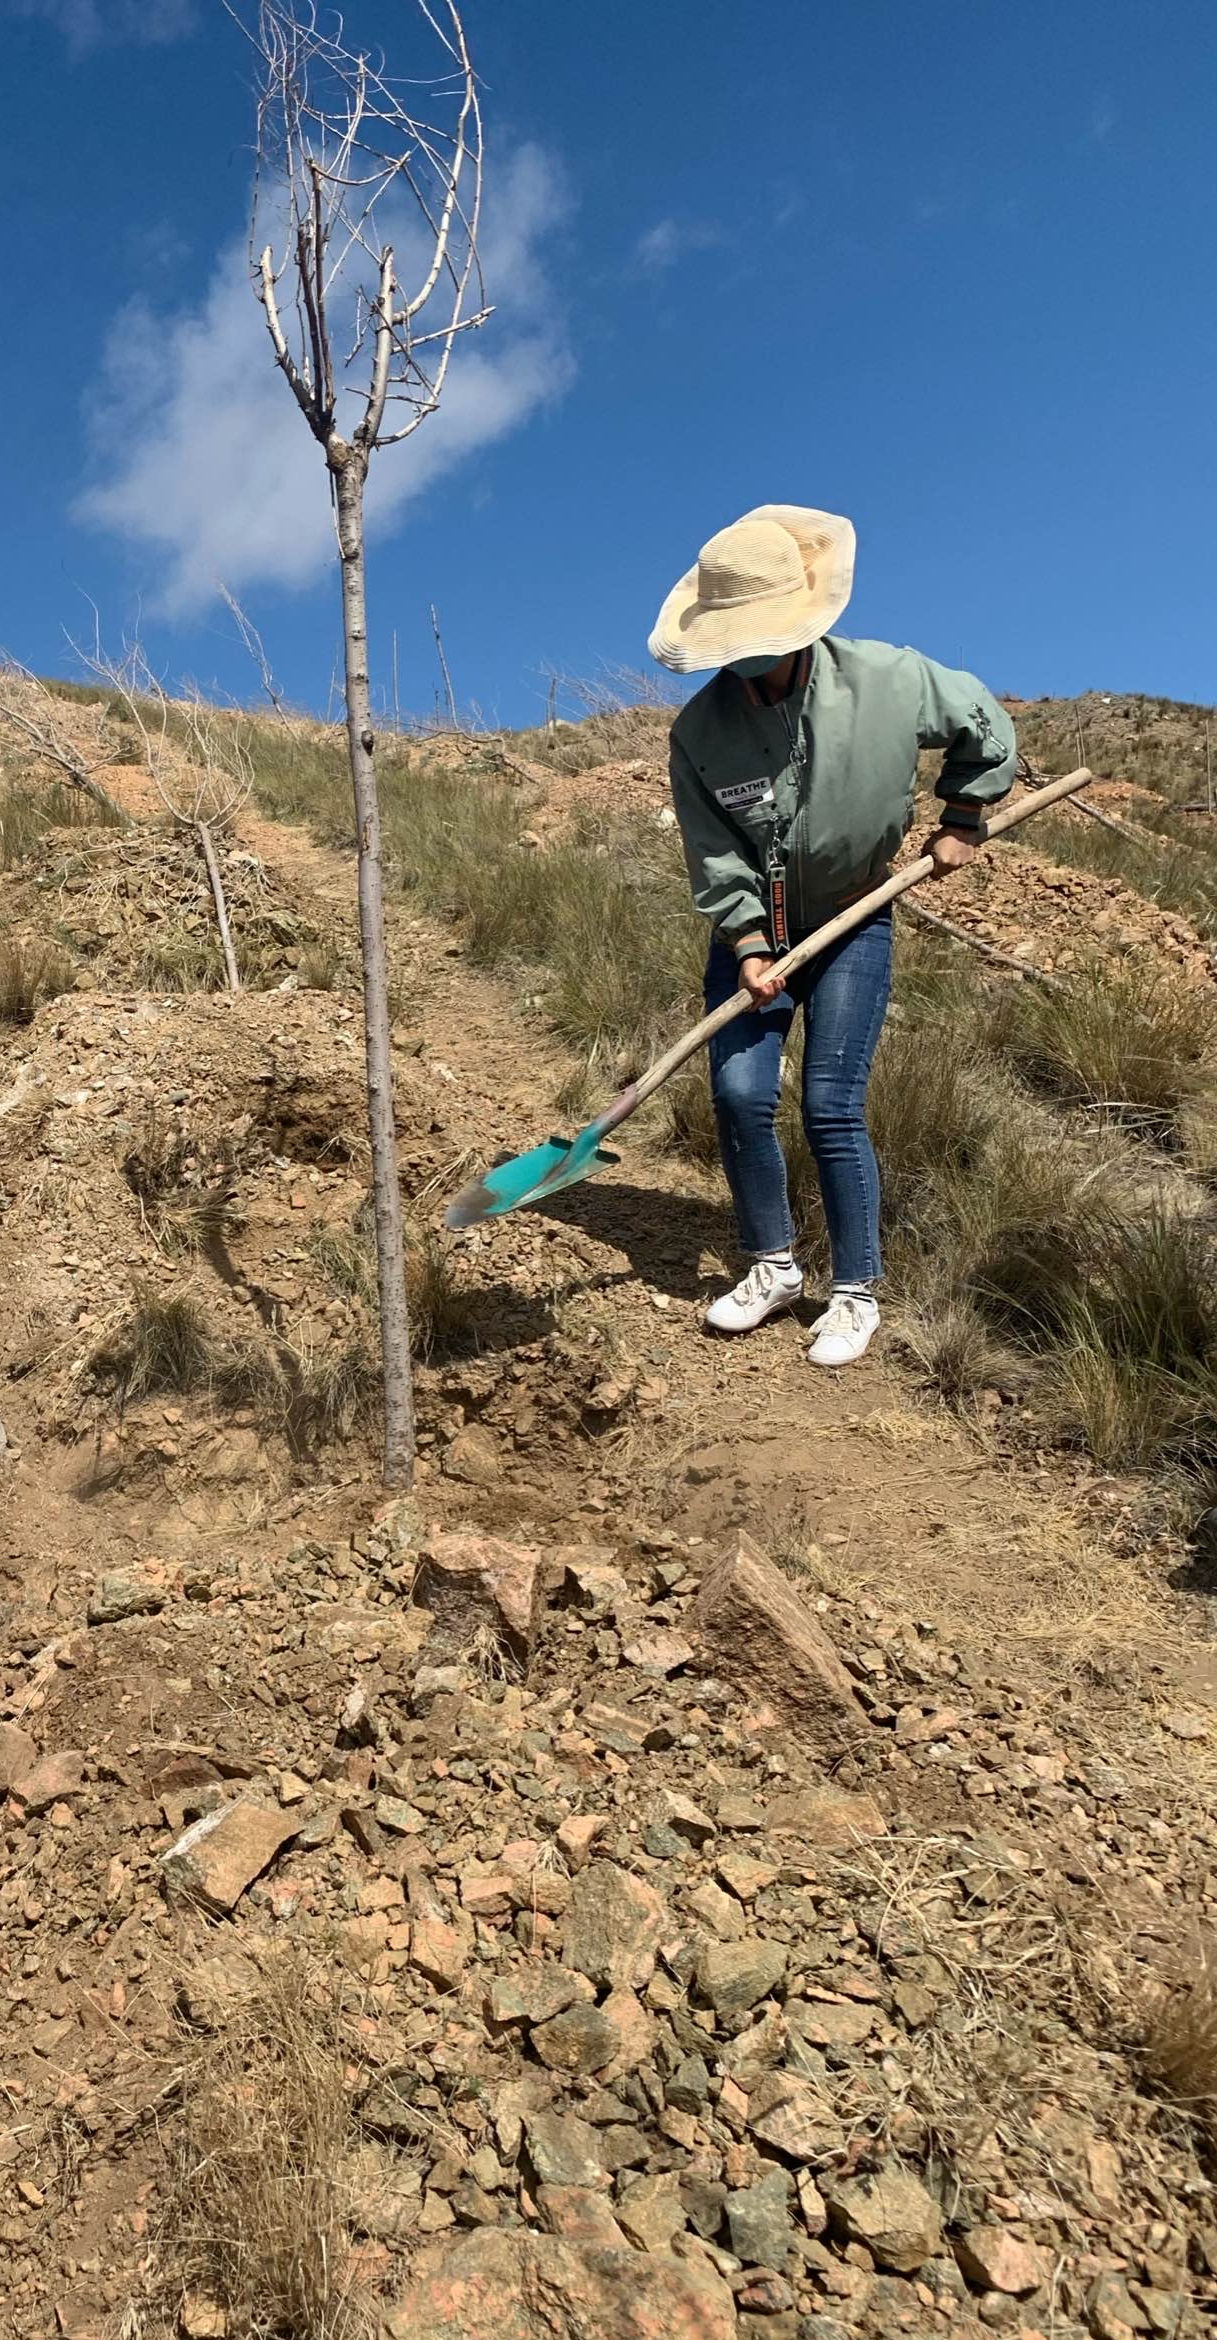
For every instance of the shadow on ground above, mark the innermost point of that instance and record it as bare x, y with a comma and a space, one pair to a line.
663, 1235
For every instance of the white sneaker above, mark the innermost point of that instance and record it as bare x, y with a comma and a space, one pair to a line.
847, 1327
768, 1286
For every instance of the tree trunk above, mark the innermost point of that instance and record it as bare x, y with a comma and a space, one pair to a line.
348, 467
221, 907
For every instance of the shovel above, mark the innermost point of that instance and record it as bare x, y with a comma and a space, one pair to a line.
533, 1177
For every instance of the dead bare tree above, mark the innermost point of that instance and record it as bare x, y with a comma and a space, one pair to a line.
202, 782
28, 710
349, 176
449, 693
253, 642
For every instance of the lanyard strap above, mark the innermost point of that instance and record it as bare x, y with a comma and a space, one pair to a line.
775, 860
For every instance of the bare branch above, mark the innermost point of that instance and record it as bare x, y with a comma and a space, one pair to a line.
370, 426
26, 706
303, 394
205, 773
254, 644
339, 145
987, 950
201, 779
443, 666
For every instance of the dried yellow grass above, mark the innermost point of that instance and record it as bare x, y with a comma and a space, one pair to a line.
256, 2211
1179, 2054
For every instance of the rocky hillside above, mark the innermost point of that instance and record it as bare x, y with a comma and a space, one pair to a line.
728, 1856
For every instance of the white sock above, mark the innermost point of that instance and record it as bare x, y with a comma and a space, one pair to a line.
778, 1259
859, 1291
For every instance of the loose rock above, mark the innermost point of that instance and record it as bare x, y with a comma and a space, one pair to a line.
759, 1631
520, 2286
758, 2222
613, 1927
18, 1755
116, 1597
995, 2260
467, 1579
220, 1855
735, 1976
899, 2222
581, 2040
650, 2211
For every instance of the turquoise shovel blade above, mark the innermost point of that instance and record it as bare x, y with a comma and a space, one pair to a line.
530, 1177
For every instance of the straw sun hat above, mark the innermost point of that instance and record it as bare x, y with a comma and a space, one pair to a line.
771, 582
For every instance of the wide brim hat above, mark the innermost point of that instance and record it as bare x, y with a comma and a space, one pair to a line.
773, 581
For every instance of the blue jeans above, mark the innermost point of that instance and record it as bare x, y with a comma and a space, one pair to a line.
844, 997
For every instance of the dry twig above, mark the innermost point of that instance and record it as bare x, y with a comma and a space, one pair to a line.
28, 709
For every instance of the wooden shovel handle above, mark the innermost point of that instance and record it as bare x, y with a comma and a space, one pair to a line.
912, 875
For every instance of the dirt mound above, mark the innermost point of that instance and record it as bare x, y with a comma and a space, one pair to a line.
1056, 918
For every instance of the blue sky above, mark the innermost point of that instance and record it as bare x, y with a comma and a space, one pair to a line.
946, 269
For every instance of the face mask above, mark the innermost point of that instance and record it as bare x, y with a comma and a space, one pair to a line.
752, 666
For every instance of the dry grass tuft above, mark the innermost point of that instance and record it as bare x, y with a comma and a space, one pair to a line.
929, 1114
320, 966
30, 812
184, 1182
336, 1391
1127, 1042
29, 973
347, 1259
442, 1309
178, 956
1179, 2052
792, 1547
256, 2214
692, 1129
954, 1349
164, 1344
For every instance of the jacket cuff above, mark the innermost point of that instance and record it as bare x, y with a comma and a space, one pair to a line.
964, 817
753, 944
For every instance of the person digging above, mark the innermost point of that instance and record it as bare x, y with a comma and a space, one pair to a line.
793, 773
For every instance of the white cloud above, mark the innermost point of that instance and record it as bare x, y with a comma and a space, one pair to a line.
87, 24
668, 242
206, 464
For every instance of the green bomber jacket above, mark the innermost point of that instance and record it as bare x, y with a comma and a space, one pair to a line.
831, 775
